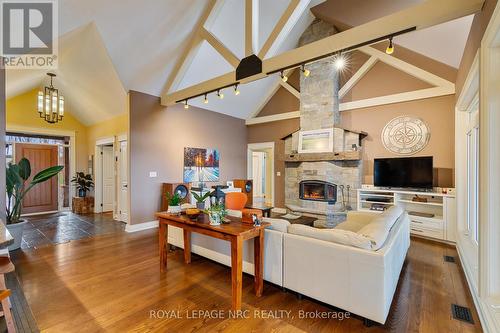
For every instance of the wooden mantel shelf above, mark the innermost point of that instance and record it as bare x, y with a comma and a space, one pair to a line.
319, 157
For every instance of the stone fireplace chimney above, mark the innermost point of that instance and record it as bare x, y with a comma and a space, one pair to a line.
322, 173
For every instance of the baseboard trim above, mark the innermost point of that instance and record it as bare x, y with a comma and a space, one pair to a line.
141, 226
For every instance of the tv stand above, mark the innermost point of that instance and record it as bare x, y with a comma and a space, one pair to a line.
432, 216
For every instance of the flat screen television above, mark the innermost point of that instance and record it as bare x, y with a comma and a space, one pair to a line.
406, 172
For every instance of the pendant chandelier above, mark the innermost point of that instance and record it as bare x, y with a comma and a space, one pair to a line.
50, 103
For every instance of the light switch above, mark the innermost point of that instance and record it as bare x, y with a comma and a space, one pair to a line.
278, 174
153, 174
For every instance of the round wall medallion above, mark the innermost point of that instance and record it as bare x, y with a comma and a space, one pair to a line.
405, 135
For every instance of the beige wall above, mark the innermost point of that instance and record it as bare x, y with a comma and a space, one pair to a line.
158, 136
437, 113
478, 28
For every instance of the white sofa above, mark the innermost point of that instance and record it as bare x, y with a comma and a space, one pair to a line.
361, 281
343, 268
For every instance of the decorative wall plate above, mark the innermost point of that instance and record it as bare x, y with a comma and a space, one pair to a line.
405, 135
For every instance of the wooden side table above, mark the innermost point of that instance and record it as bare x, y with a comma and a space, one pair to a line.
82, 205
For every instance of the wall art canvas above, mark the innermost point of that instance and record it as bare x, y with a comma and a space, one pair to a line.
201, 165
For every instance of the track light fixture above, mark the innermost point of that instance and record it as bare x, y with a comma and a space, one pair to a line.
284, 78
186, 105
221, 95
339, 62
236, 90
390, 47
304, 70
206, 99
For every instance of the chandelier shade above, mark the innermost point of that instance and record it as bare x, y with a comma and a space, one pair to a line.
50, 103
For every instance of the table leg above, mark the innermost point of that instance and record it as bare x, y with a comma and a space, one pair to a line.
163, 245
258, 249
236, 271
187, 246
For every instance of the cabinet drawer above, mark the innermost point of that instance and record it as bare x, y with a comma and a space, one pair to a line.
420, 231
426, 223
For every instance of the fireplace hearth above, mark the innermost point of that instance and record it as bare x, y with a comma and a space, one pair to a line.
317, 190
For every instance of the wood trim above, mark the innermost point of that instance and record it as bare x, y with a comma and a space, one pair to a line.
251, 26
220, 48
187, 57
426, 14
274, 117
281, 28
397, 98
358, 76
290, 89
408, 68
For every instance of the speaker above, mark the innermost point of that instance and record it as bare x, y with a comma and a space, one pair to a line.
182, 188
246, 186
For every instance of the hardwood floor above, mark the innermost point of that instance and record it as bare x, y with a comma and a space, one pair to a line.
112, 283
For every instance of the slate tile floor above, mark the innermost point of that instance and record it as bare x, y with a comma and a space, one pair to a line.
62, 227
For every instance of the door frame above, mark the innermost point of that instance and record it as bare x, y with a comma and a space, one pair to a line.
98, 173
120, 139
53, 132
257, 147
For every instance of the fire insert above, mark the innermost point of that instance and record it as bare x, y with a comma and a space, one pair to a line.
317, 190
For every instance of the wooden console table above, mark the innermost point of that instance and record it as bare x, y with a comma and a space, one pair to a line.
235, 232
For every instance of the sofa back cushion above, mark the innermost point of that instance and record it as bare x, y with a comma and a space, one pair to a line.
390, 216
332, 235
277, 224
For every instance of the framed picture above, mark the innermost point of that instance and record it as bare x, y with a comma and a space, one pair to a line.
201, 165
316, 141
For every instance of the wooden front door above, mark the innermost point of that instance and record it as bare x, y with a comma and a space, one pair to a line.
42, 197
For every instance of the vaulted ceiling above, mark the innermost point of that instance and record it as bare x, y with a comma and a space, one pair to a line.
110, 47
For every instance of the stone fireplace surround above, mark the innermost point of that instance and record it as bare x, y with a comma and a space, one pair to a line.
319, 109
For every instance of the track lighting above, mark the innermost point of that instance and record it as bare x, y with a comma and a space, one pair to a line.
221, 95
186, 105
339, 62
304, 70
390, 48
284, 78
206, 99
236, 90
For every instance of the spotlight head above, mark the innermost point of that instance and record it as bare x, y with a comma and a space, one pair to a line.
339, 62
390, 47
206, 99
186, 105
284, 78
305, 71
236, 90
221, 95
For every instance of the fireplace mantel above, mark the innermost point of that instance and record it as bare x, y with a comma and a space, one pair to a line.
319, 157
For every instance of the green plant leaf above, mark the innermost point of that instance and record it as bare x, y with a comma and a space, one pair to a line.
24, 168
46, 174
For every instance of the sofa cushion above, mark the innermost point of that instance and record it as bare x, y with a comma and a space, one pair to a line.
331, 235
277, 224
389, 217
356, 220
376, 232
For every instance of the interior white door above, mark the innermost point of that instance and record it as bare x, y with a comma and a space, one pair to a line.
257, 173
108, 178
123, 165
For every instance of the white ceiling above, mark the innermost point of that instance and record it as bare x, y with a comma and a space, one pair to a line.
110, 47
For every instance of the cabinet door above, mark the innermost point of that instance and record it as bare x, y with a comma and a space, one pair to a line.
450, 218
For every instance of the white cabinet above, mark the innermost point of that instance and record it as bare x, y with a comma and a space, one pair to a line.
433, 216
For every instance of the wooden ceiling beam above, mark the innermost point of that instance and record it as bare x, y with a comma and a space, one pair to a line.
251, 27
426, 14
220, 48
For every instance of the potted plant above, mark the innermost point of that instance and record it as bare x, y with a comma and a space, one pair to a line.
83, 183
17, 186
174, 203
200, 199
216, 212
